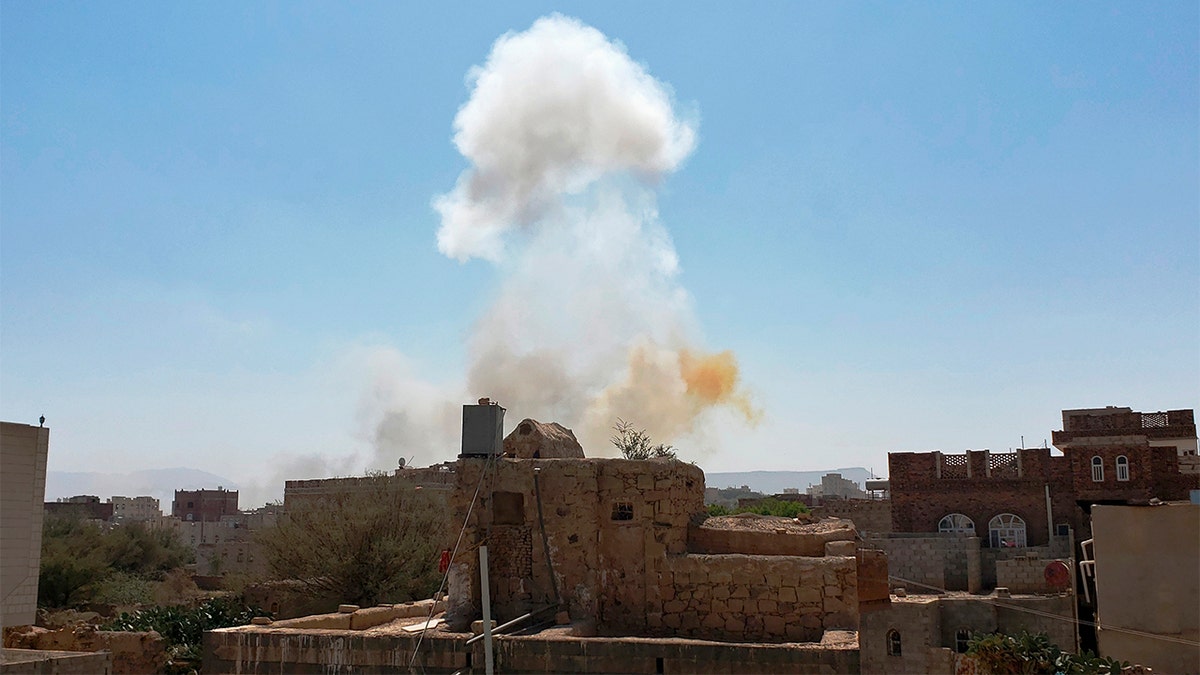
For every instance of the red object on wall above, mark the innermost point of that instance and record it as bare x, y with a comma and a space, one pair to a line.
444, 563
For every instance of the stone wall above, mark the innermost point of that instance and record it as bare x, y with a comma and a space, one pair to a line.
131, 652
630, 556
714, 540
868, 515
603, 519
754, 598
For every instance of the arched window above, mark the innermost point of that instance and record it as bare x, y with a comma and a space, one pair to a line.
962, 639
893, 642
1007, 531
1122, 468
1097, 469
958, 524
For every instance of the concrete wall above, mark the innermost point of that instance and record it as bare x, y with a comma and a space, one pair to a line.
1028, 575
934, 562
928, 627
918, 622
23, 451
1146, 580
251, 649
41, 662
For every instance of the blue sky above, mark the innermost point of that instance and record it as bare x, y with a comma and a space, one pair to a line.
917, 225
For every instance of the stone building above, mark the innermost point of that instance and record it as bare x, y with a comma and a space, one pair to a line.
929, 633
833, 486
86, 506
438, 478
135, 509
204, 505
1017, 499
23, 450
622, 546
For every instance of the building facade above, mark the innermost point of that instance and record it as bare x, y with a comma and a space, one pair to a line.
135, 509
1018, 499
23, 450
204, 505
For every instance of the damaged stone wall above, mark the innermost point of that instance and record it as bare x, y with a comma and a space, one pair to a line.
603, 519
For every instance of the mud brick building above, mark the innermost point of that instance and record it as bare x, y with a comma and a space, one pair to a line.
204, 505
1017, 499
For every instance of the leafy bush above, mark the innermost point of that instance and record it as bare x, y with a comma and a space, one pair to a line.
636, 444
183, 627
376, 544
716, 510
775, 507
1030, 653
79, 557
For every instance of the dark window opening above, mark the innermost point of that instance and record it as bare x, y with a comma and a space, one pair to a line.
962, 638
622, 511
508, 508
893, 642
189, 505
658, 665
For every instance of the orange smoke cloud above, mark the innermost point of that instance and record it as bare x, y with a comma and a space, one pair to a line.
713, 379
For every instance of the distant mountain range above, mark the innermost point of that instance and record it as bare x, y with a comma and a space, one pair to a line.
159, 483
774, 482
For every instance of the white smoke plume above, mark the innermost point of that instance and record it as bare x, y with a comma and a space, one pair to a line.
567, 137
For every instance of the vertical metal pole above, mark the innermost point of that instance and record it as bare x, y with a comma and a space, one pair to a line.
486, 592
1049, 517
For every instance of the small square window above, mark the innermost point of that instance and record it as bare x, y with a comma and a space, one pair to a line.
622, 511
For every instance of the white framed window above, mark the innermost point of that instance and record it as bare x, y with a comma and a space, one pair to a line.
1097, 469
957, 523
1006, 531
1122, 468
893, 642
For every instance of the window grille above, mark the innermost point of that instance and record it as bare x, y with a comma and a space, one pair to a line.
1007, 531
1003, 465
893, 642
1122, 468
962, 639
1154, 420
622, 511
954, 466
1097, 469
958, 524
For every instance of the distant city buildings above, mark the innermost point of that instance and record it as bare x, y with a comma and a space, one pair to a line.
204, 505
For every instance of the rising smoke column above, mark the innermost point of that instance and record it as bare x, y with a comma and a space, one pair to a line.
567, 137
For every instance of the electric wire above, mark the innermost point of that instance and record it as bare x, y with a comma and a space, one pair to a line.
458, 542
1052, 615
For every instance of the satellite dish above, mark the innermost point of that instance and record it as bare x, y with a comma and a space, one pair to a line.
401, 462
1058, 575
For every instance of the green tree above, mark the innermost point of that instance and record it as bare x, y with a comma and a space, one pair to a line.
376, 543
81, 557
636, 444
775, 507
